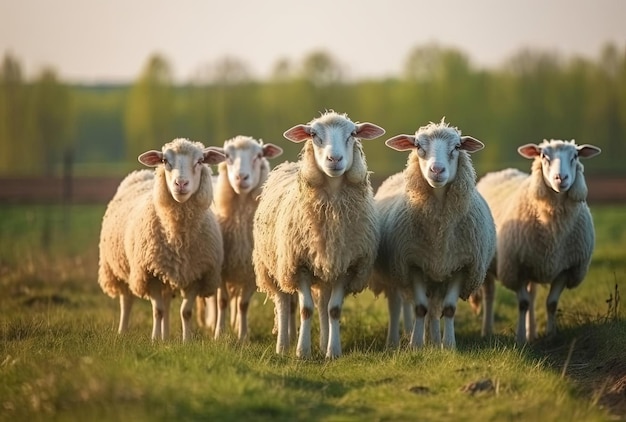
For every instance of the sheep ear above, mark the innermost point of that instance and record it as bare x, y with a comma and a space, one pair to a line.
271, 150
401, 142
298, 133
368, 131
212, 155
529, 151
470, 144
588, 151
151, 158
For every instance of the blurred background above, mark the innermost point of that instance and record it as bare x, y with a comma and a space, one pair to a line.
85, 87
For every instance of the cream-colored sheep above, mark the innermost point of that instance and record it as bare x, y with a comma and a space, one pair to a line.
159, 236
437, 234
315, 227
237, 188
544, 228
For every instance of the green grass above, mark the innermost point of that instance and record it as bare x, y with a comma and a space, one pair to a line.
61, 358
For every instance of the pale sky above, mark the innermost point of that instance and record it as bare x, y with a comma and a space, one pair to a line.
111, 40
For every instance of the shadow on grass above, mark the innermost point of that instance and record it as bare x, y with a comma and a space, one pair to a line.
593, 355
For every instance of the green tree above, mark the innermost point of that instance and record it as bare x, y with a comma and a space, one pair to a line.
149, 114
53, 117
14, 125
321, 69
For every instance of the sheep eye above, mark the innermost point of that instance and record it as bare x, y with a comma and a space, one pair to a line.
545, 157
457, 147
316, 139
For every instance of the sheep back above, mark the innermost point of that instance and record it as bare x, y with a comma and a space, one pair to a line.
298, 227
540, 233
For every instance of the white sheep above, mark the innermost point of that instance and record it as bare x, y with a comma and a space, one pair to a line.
159, 236
237, 187
437, 234
316, 227
544, 228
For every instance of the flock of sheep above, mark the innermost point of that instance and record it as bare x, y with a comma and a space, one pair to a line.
307, 233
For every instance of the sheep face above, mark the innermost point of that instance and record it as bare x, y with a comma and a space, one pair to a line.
559, 161
182, 161
244, 161
333, 136
437, 147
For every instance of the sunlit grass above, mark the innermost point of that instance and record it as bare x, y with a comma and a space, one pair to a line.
61, 358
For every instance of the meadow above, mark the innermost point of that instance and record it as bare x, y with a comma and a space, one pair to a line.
62, 359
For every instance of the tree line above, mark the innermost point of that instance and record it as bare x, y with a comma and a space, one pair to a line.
102, 128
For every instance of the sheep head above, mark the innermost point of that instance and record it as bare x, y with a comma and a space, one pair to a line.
182, 161
244, 161
333, 139
437, 146
559, 161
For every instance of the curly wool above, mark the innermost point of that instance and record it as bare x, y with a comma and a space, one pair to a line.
298, 227
146, 234
235, 215
540, 233
419, 232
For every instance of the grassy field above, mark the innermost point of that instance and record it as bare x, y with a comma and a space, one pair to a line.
61, 358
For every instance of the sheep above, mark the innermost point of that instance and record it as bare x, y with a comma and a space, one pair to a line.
316, 227
159, 236
437, 233
237, 188
544, 228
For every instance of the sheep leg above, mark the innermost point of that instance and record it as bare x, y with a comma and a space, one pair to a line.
421, 308
186, 311
305, 298
222, 310
407, 315
201, 311
394, 304
282, 303
334, 314
235, 301
243, 303
156, 298
552, 302
126, 304
322, 309
449, 310
489, 290
165, 322
211, 312
531, 321
523, 303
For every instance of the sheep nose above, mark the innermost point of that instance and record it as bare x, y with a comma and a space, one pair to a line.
561, 177
437, 168
181, 183
243, 177
334, 159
